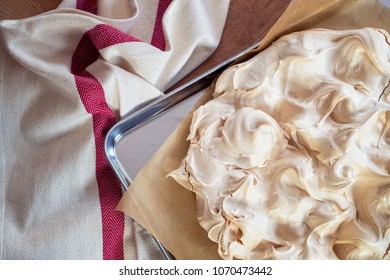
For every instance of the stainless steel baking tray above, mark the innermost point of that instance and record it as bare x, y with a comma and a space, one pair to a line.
134, 140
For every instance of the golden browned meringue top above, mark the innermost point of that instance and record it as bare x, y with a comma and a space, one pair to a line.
291, 157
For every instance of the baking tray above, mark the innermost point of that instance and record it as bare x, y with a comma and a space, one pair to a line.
131, 142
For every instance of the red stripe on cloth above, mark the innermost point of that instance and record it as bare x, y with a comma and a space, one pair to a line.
158, 39
104, 36
89, 6
92, 95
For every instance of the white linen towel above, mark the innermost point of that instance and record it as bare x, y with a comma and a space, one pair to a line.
66, 77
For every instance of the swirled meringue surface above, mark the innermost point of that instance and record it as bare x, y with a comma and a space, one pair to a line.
291, 157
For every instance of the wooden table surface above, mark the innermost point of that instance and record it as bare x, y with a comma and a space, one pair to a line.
17, 9
247, 23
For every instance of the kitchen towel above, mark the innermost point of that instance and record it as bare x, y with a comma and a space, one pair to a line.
66, 77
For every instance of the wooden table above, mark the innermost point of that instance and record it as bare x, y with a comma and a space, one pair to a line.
17, 9
247, 23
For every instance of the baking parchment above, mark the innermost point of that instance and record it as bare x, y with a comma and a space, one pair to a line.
167, 210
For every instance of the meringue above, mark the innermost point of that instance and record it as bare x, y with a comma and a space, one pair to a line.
291, 157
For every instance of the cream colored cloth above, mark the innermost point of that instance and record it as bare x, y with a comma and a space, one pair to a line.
66, 76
